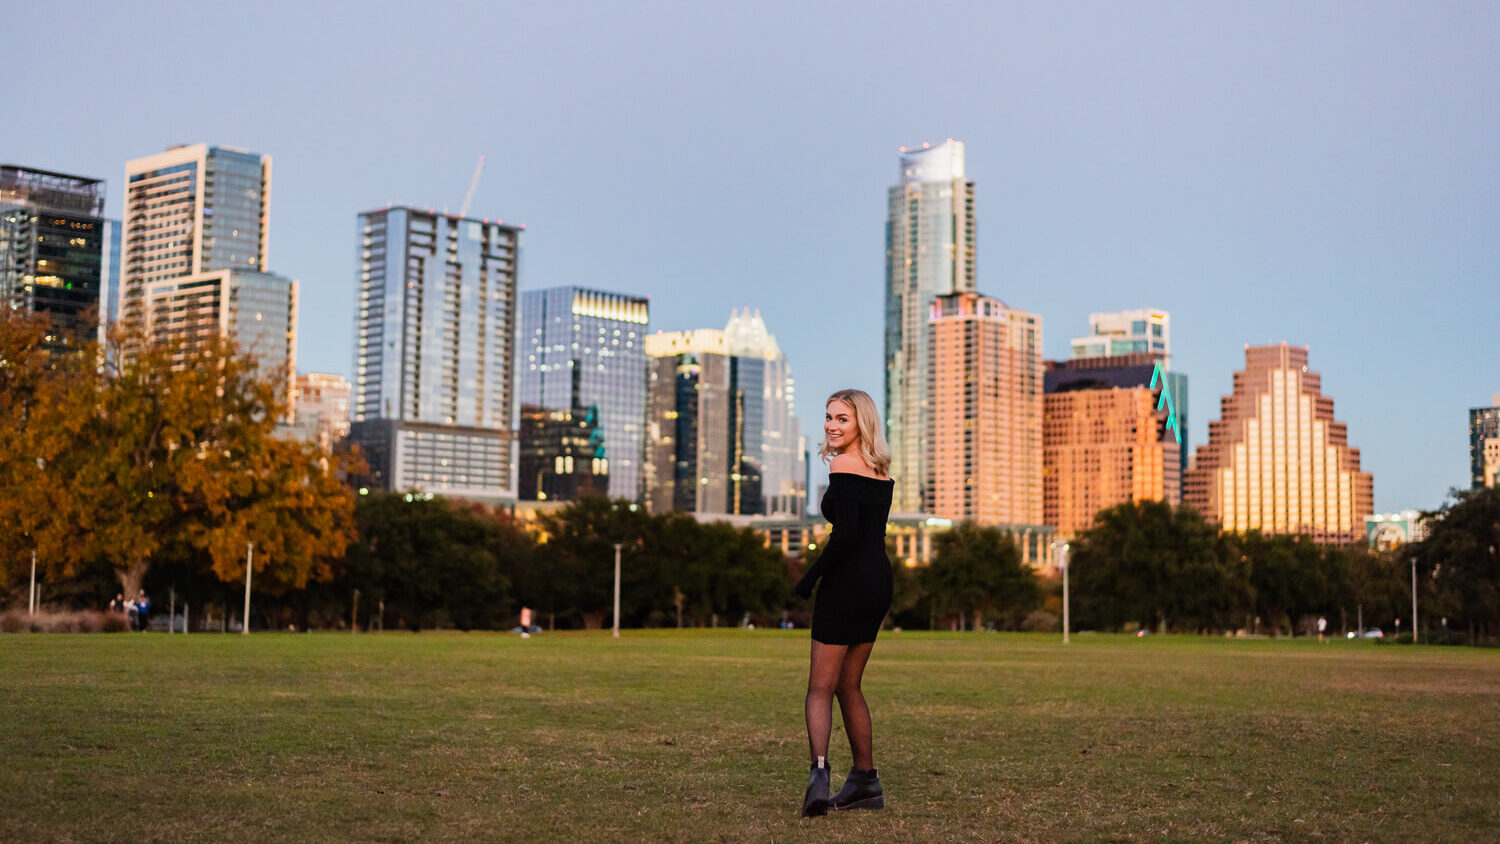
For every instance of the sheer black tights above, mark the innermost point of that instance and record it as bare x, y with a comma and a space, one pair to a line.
836, 670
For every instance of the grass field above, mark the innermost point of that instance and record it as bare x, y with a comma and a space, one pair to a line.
698, 736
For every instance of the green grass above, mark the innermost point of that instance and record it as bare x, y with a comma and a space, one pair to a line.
698, 736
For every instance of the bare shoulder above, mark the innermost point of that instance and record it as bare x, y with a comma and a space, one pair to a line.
849, 462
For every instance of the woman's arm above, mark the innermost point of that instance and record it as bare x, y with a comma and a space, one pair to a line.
840, 544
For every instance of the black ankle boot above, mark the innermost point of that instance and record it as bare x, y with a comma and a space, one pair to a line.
815, 800
861, 791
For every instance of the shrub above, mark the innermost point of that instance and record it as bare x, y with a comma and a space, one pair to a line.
89, 621
1041, 621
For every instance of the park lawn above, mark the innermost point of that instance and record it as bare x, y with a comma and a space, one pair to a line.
698, 736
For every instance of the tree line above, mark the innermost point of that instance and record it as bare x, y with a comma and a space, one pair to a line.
161, 469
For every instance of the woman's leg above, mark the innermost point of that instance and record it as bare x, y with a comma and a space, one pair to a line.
852, 704
822, 679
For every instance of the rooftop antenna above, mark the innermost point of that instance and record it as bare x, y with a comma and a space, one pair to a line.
473, 186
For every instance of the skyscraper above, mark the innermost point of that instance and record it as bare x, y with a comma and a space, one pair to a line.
1484, 445
1141, 331
53, 248
259, 310
194, 249
191, 210
722, 436
435, 331
1276, 460
582, 391
929, 252
1126, 371
985, 411
1104, 445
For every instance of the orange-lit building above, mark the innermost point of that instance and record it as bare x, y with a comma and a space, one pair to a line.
1276, 460
1103, 447
985, 400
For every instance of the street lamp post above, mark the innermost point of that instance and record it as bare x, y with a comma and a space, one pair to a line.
249, 557
1413, 600
1061, 548
617, 590
32, 602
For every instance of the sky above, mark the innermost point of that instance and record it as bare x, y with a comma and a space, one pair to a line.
1323, 174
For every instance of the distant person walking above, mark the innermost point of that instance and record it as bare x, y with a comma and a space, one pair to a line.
853, 599
142, 610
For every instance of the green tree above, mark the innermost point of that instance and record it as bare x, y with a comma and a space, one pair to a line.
977, 572
1458, 564
1148, 563
434, 562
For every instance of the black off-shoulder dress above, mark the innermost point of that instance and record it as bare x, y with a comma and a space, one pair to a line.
856, 573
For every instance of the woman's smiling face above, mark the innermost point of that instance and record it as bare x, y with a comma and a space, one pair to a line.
839, 427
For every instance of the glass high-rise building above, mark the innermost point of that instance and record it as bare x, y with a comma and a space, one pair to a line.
1141, 331
929, 252
1484, 445
722, 434
190, 210
193, 256
582, 390
53, 246
1277, 461
435, 333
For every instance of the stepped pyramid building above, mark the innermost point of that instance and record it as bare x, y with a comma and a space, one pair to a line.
1276, 460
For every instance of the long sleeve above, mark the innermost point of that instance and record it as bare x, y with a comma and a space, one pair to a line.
841, 543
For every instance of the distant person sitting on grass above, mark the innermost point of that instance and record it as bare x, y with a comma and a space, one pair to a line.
142, 610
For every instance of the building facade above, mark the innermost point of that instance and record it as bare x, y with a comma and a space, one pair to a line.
1104, 446
1141, 331
722, 435
1484, 445
984, 386
929, 252
54, 248
259, 310
1276, 460
1129, 371
321, 408
582, 391
435, 331
188, 211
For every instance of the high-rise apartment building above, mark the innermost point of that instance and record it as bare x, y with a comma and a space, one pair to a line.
722, 437
582, 391
321, 404
1105, 445
53, 245
1141, 331
929, 252
1146, 370
192, 210
1484, 445
435, 332
259, 310
1276, 460
985, 411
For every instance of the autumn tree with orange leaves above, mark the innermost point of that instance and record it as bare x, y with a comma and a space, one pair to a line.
168, 452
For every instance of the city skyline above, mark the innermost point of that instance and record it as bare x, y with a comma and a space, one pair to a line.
1319, 176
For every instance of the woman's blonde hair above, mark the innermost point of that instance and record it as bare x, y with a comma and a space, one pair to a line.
872, 445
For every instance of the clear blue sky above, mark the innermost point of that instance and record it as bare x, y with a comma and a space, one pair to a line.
1320, 173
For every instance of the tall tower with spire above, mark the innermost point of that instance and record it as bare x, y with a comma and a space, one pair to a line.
929, 252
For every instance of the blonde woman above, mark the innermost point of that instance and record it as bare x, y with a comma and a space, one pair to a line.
853, 599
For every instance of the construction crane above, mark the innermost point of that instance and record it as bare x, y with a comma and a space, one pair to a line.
473, 186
